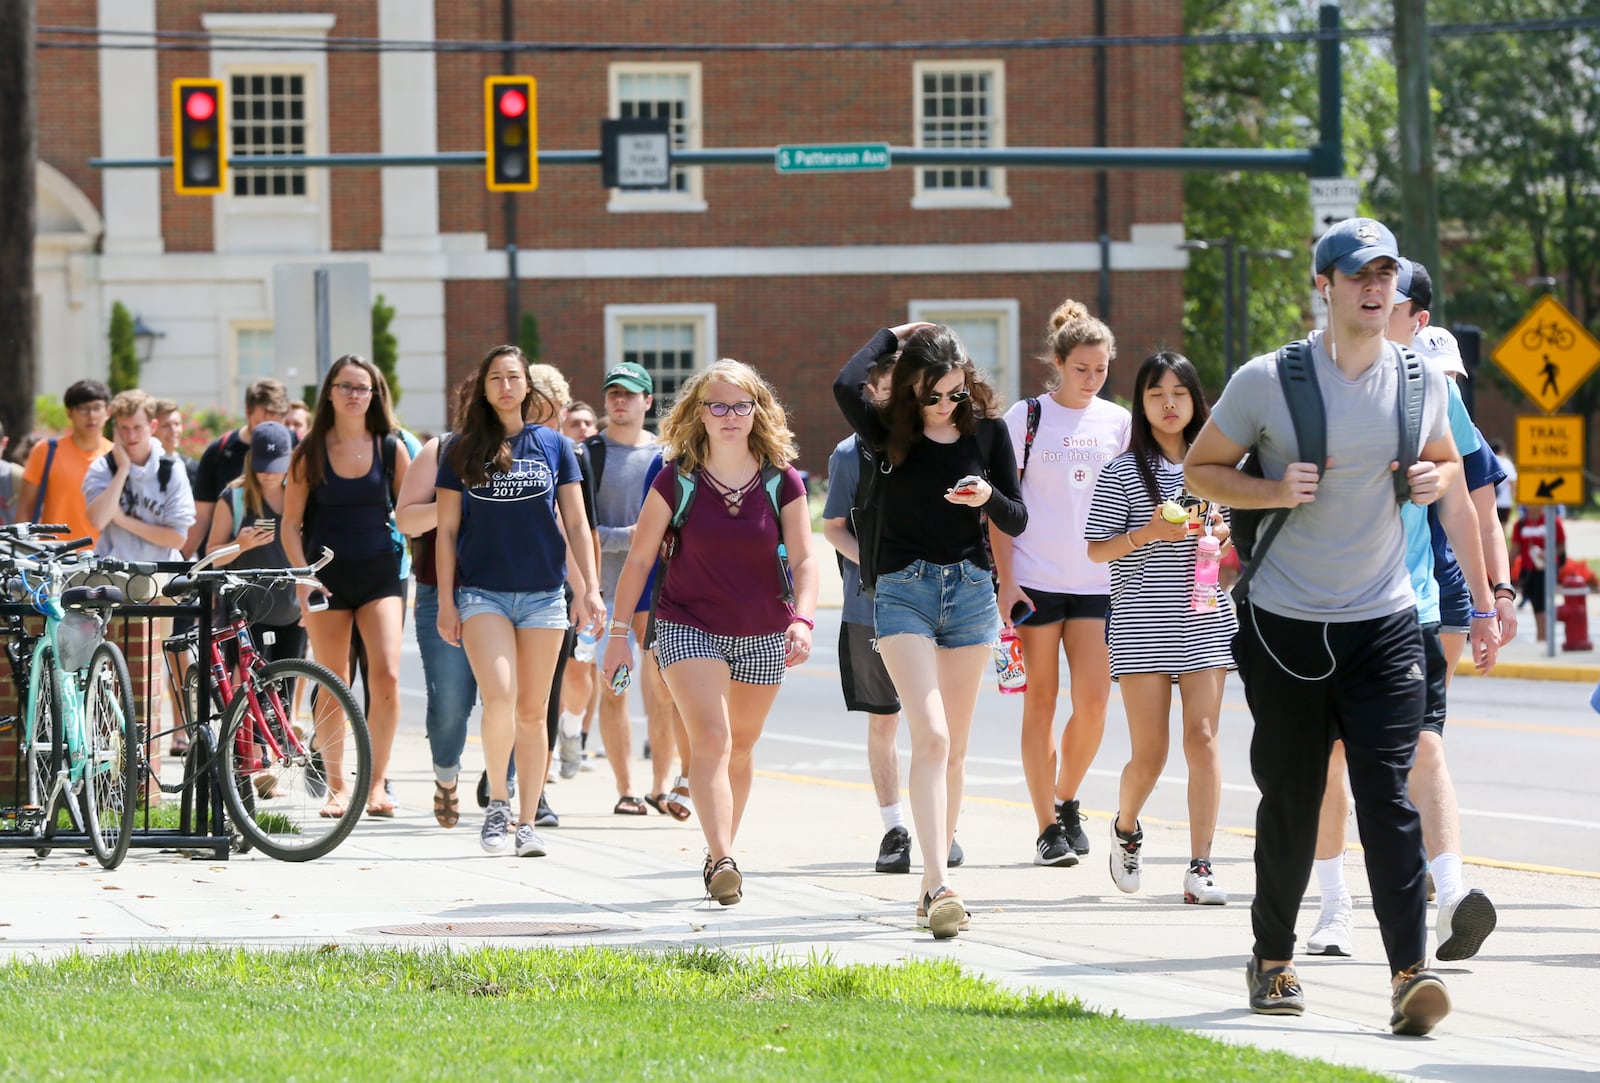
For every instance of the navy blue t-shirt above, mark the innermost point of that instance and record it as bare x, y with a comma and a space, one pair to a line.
509, 538
1481, 468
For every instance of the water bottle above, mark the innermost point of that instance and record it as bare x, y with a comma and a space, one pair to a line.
1008, 665
1207, 568
584, 651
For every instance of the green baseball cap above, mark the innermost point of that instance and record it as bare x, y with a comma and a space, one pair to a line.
631, 376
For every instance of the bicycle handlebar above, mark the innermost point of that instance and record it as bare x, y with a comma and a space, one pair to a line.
29, 530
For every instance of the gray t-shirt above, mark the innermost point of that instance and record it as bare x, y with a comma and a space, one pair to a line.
844, 477
144, 500
1341, 557
617, 501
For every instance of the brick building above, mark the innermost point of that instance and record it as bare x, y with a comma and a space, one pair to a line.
788, 272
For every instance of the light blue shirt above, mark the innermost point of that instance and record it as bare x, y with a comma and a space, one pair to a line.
1419, 538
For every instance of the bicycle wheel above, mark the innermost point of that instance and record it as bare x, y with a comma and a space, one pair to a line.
111, 724
44, 750
322, 763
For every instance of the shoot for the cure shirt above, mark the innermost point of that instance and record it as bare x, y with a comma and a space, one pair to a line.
510, 539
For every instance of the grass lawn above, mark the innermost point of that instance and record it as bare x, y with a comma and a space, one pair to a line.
585, 1013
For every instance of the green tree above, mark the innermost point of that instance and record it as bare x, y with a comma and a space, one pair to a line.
528, 337
124, 350
385, 347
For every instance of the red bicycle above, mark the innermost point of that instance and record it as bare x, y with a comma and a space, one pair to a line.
294, 786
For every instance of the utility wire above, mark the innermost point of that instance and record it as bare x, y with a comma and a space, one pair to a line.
205, 41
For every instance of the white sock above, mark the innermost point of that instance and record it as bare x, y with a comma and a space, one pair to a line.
1330, 880
1446, 869
893, 816
571, 724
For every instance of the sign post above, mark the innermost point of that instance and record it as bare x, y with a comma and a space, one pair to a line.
1333, 199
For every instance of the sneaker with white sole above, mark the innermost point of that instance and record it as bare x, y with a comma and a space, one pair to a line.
545, 816
1126, 858
529, 844
569, 745
1332, 934
495, 838
1464, 925
1068, 815
1052, 848
1275, 991
894, 852
1200, 885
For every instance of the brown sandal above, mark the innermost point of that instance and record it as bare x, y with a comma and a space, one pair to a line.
446, 805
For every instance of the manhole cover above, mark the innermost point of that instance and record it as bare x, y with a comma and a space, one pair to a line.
493, 928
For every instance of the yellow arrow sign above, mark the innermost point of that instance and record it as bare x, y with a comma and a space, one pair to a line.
1545, 442
1538, 486
1549, 354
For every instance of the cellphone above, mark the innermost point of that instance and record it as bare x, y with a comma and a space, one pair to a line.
316, 602
1021, 612
620, 680
967, 485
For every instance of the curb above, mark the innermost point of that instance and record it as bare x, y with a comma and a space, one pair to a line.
1535, 671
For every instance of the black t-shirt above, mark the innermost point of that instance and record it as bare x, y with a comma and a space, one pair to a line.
220, 463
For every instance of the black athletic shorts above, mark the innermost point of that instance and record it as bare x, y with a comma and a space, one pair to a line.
865, 682
352, 583
1434, 670
1052, 608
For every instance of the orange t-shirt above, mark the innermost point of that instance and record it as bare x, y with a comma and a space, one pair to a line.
63, 491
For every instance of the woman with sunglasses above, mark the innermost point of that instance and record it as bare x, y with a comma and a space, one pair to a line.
949, 465
725, 630
339, 497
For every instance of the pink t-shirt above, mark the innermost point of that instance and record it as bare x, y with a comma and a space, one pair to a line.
1069, 451
724, 578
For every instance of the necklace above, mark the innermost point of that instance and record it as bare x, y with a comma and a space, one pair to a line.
732, 496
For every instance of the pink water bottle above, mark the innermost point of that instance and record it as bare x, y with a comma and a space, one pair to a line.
1207, 568
1008, 665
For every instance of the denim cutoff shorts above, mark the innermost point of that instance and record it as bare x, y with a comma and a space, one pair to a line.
523, 608
951, 604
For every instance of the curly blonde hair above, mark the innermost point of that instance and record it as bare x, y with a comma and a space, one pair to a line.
683, 431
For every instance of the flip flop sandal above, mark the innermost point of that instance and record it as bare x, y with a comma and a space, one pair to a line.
676, 803
336, 807
630, 806
446, 805
384, 811
657, 801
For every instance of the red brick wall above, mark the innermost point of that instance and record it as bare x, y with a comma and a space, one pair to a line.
69, 99
800, 331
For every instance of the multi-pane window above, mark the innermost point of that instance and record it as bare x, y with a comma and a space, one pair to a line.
253, 354
988, 330
960, 105
669, 349
268, 119
670, 92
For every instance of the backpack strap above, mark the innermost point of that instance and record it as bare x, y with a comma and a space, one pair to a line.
595, 447
44, 481
391, 452
164, 470
1034, 412
1411, 390
772, 483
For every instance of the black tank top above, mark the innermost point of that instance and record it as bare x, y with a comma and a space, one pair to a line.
352, 514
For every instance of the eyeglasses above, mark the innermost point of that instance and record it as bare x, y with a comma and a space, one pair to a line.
355, 391
956, 397
720, 409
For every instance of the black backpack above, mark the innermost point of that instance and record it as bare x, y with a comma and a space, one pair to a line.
163, 468
1253, 529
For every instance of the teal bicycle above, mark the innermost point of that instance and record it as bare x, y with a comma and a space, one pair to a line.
79, 737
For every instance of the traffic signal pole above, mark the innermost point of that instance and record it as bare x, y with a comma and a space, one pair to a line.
18, 213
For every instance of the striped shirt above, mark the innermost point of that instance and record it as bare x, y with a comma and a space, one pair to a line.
1152, 629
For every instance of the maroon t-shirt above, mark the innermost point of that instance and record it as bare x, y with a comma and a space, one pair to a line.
724, 578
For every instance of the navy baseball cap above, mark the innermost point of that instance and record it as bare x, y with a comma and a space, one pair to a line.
1352, 244
1413, 283
270, 448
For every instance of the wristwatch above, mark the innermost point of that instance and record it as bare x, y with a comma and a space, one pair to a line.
1511, 591
618, 626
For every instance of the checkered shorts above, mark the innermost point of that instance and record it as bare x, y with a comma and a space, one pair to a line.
751, 659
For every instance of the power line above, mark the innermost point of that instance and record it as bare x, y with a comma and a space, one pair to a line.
205, 41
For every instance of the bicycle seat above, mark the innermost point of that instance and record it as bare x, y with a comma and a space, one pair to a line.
91, 597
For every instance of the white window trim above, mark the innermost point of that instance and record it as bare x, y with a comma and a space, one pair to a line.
1007, 381
692, 201
313, 65
617, 315
944, 198
231, 326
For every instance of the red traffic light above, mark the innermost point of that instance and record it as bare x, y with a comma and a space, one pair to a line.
513, 103
200, 106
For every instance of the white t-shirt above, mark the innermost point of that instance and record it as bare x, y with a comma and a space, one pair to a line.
1069, 451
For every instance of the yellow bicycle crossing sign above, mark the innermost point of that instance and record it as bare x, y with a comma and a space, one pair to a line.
1549, 354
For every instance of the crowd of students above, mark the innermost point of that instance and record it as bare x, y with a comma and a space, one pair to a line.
535, 535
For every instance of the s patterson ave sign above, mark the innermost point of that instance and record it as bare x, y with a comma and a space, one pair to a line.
832, 158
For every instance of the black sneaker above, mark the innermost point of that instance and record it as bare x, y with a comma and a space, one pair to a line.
483, 789
894, 852
1420, 1001
958, 856
546, 816
1052, 848
1275, 991
1067, 814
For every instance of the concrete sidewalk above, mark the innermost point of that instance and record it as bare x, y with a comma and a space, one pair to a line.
1524, 1009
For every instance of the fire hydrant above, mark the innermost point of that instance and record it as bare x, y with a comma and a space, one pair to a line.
1576, 581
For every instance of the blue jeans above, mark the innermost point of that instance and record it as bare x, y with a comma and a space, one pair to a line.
451, 688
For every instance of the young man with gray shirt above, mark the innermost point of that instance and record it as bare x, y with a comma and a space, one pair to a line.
619, 458
142, 508
1328, 643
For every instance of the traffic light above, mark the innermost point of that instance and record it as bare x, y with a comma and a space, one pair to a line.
199, 157
511, 133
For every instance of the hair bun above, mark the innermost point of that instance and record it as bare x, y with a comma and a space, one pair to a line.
1066, 313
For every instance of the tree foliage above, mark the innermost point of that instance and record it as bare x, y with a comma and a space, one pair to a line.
124, 374
528, 337
385, 347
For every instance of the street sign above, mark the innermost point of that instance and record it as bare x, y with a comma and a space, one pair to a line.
1333, 199
636, 153
1549, 354
832, 158
1550, 459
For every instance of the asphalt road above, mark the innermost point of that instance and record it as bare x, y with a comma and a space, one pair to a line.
1525, 756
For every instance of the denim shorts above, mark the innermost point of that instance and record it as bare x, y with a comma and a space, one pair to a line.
524, 609
1455, 609
951, 604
